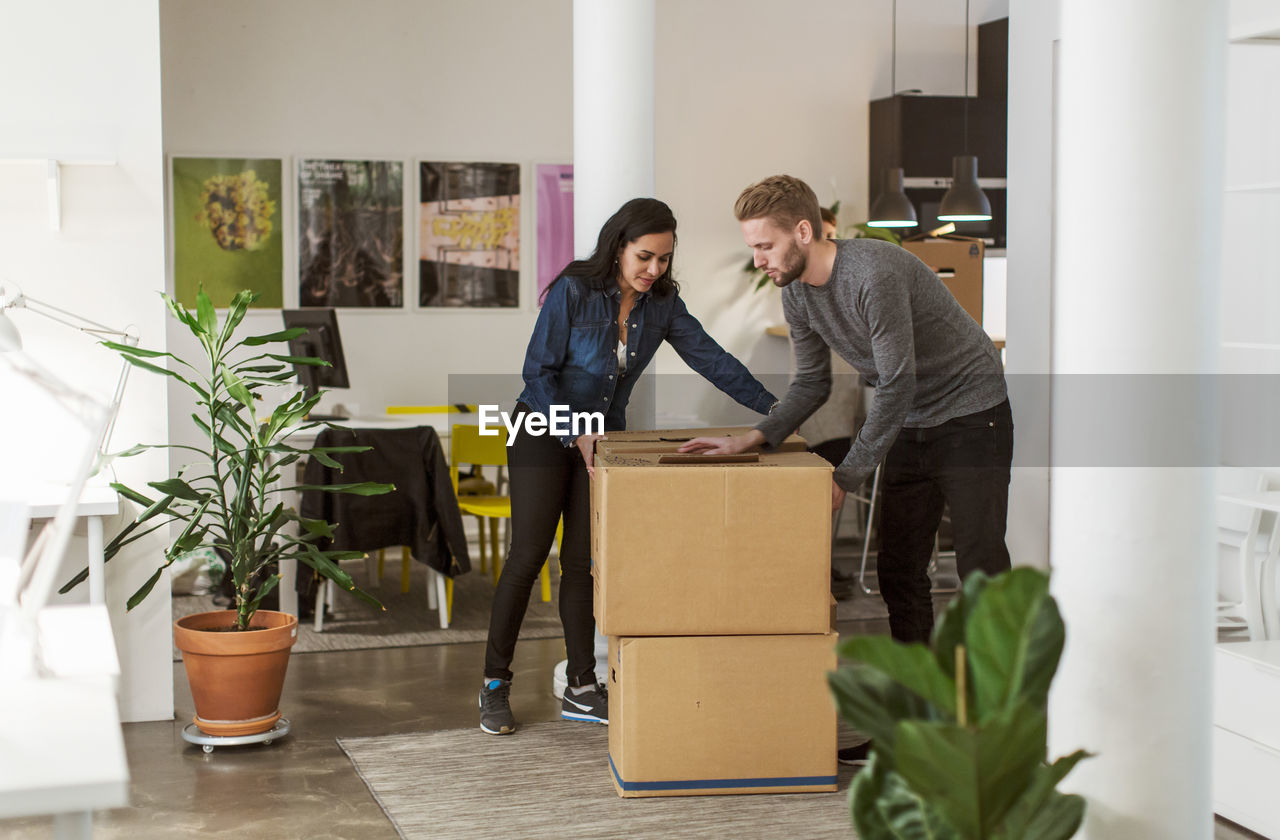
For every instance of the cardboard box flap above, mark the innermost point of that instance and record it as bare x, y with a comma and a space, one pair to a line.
641, 458
669, 439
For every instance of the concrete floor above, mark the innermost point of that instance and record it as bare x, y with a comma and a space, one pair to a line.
304, 786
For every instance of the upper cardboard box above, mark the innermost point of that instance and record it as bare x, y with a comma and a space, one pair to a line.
708, 548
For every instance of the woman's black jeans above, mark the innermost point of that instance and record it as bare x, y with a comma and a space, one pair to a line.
964, 463
548, 479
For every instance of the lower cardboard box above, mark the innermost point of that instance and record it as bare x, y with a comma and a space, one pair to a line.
699, 715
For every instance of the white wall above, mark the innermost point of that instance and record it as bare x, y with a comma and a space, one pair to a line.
84, 82
742, 91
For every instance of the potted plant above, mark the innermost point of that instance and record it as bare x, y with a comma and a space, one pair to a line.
228, 498
959, 728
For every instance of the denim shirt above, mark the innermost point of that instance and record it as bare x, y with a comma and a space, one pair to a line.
572, 357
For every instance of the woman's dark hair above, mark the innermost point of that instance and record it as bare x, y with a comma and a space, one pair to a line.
638, 217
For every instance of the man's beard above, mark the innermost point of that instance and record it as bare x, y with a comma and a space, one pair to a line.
793, 265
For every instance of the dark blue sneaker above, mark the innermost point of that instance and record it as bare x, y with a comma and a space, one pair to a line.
495, 708
591, 706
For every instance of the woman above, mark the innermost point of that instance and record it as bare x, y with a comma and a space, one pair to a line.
600, 324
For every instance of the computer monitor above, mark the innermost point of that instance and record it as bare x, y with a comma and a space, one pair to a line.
322, 341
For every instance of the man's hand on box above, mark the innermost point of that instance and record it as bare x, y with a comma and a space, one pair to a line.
728, 445
837, 496
587, 446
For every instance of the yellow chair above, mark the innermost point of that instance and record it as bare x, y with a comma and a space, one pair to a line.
468, 446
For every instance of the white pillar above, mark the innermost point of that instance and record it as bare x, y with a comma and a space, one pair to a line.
1137, 236
612, 130
612, 147
612, 111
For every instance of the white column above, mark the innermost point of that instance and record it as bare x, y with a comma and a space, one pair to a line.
1131, 501
612, 131
612, 146
612, 111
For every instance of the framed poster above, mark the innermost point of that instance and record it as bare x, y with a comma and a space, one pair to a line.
226, 229
350, 233
469, 235
555, 222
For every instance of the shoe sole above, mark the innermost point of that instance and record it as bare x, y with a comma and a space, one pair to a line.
574, 716
857, 762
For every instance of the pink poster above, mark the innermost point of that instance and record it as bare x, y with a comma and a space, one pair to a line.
555, 222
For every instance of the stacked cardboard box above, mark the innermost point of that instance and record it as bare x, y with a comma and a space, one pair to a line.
712, 580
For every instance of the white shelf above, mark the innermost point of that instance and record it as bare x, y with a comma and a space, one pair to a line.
1261, 187
1254, 22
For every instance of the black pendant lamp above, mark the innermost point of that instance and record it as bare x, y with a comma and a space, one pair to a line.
965, 201
892, 209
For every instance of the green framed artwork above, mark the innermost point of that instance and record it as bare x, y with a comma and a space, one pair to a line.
228, 229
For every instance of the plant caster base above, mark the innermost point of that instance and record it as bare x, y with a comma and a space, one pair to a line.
192, 735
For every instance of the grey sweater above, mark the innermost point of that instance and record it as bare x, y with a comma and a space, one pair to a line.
891, 318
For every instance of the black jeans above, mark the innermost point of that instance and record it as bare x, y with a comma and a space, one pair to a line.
547, 480
964, 463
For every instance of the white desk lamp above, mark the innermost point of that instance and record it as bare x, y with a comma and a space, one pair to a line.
37, 577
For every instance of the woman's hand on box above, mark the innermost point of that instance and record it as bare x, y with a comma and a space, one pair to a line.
587, 446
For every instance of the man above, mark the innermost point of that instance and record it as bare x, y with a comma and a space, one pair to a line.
940, 421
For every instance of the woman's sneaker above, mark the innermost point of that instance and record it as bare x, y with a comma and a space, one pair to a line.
495, 708
855, 756
591, 706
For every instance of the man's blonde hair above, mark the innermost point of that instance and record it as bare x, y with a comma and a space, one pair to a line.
784, 200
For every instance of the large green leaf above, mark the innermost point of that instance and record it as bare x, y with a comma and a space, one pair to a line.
912, 665
873, 704
235, 314
885, 808
301, 360
144, 590
949, 632
1058, 819
1014, 638
1036, 796
177, 488
130, 350
283, 335
206, 317
237, 389
363, 488
139, 363
181, 314
316, 527
972, 778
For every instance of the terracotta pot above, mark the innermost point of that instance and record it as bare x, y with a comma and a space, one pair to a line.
236, 677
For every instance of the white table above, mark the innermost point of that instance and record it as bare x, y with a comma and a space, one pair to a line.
1268, 501
43, 498
442, 423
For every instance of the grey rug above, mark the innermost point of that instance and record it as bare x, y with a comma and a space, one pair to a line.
354, 625
551, 780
